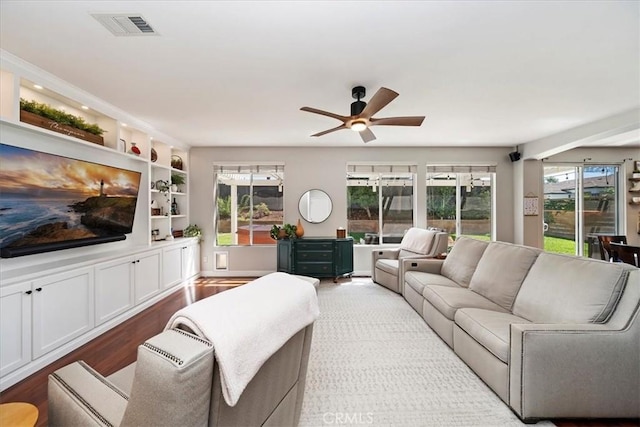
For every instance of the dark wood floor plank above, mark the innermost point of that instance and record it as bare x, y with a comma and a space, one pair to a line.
118, 347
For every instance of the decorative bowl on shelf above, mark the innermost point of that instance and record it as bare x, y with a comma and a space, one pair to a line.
176, 162
154, 155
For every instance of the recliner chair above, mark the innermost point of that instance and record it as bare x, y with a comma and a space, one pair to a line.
177, 381
419, 243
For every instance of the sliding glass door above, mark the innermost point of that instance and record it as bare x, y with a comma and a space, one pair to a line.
580, 202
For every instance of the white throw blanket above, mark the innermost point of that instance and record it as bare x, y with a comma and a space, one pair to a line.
248, 324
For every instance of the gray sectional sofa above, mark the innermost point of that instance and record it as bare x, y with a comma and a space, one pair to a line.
554, 336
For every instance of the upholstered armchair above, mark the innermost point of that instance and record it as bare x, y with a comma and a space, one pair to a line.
418, 243
178, 379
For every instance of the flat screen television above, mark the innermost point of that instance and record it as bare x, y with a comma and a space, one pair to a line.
50, 202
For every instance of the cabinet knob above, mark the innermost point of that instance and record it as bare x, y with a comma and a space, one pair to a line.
38, 289
28, 292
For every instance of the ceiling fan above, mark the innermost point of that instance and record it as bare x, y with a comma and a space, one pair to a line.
361, 118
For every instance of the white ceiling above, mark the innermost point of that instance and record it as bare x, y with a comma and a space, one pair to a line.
484, 73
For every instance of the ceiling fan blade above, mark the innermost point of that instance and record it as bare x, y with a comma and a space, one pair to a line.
342, 126
325, 113
398, 121
367, 135
381, 98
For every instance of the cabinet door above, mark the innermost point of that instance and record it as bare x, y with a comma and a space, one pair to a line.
15, 323
190, 260
171, 266
147, 275
114, 288
62, 309
344, 257
285, 255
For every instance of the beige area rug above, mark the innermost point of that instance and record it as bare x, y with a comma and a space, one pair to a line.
375, 362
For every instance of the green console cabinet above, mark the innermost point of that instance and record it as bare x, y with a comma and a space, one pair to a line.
316, 256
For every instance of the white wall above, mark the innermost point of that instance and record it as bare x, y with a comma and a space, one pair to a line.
325, 169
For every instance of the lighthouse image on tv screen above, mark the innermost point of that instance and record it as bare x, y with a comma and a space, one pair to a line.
50, 202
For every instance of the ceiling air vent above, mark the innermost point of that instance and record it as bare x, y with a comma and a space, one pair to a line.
126, 25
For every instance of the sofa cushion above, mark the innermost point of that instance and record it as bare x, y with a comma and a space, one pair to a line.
463, 259
447, 300
417, 241
501, 270
491, 329
418, 280
388, 265
568, 289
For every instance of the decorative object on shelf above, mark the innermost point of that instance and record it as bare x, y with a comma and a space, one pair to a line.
154, 234
341, 233
176, 180
47, 117
299, 229
122, 146
177, 233
162, 186
153, 185
176, 162
174, 208
193, 231
134, 149
154, 155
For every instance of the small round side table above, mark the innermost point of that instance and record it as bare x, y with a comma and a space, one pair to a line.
18, 414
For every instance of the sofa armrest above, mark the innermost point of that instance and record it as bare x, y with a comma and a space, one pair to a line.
172, 381
425, 265
78, 395
566, 370
389, 253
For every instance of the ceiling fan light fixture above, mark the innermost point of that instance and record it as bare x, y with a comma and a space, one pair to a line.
358, 126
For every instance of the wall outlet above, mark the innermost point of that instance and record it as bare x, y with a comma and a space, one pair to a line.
205, 260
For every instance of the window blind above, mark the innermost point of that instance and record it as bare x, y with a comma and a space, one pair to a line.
460, 168
382, 168
248, 168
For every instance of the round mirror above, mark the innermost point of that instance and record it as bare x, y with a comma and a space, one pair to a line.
315, 206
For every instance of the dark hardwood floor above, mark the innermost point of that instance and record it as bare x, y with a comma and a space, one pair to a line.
118, 347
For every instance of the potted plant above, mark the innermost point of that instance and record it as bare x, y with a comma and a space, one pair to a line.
287, 231
45, 116
193, 231
176, 180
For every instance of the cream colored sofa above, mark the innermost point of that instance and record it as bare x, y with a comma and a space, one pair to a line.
386, 265
554, 336
177, 380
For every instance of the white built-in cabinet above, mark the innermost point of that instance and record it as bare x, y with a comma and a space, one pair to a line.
125, 282
15, 319
48, 308
43, 313
180, 263
62, 309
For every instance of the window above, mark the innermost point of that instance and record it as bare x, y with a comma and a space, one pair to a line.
580, 202
249, 201
460, 200
380, 202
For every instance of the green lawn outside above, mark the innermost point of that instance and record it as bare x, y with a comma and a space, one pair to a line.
224, 239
